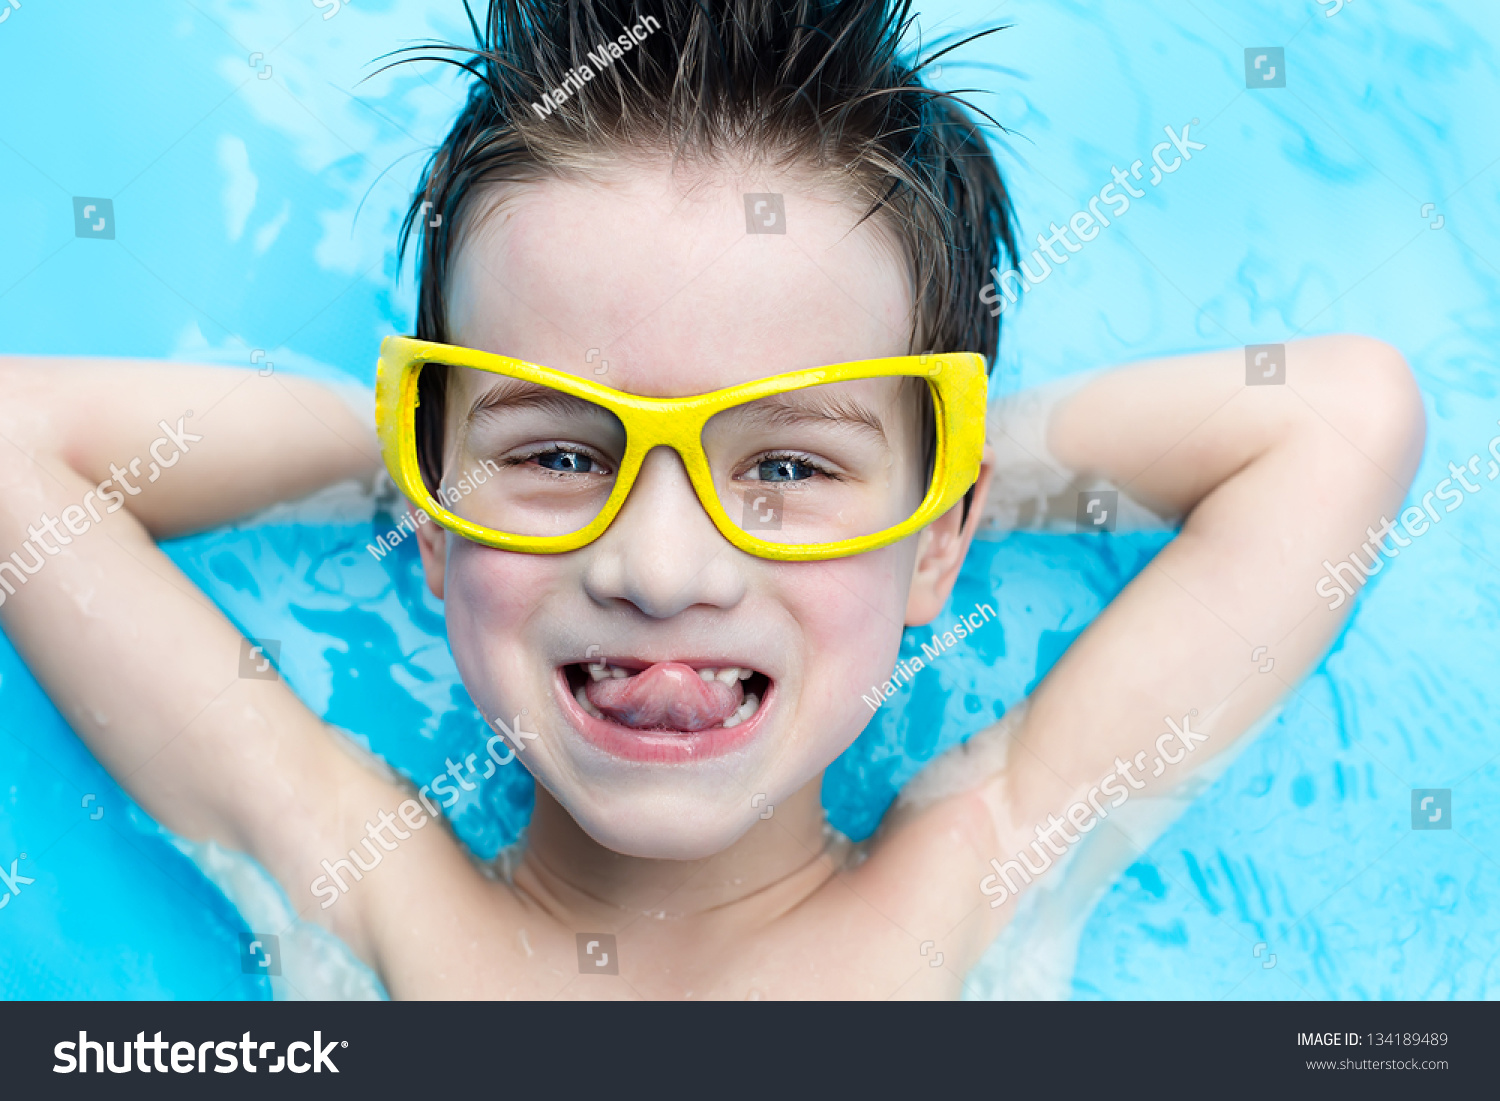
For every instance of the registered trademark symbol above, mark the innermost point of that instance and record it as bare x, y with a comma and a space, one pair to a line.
343, 1043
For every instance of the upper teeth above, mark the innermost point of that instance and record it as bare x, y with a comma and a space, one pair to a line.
727, 675
603, 670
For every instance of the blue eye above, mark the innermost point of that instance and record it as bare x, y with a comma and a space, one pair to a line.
784, 470
566, 462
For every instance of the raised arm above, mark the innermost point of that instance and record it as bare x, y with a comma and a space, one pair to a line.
1271, 481
99, 458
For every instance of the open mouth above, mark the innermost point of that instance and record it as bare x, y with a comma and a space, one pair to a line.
665, 710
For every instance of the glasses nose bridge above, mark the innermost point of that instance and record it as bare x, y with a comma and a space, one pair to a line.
679, 441
675, 424
653, 504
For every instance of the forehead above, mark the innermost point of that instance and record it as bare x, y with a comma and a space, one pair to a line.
648, 280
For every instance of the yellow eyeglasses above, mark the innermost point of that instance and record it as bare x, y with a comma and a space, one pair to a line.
814, 464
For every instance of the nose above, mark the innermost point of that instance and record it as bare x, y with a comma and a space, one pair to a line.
662, 553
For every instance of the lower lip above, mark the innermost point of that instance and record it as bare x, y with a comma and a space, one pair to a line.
659, 746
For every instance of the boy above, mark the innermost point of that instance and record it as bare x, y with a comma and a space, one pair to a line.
672, 661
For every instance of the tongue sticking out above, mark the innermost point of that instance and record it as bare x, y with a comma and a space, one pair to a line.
666, 696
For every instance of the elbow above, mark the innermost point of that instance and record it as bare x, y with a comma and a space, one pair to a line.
1390, 401
1366, 391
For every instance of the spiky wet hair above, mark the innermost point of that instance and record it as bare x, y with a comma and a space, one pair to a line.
813, 84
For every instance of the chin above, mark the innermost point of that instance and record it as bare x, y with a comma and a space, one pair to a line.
663, 829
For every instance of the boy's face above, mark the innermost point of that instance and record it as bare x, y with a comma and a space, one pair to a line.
653, 286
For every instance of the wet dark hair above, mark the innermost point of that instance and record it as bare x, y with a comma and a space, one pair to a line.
812, 84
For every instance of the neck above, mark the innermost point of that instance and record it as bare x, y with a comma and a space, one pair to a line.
776, 864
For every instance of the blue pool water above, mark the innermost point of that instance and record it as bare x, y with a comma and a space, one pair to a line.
259, 213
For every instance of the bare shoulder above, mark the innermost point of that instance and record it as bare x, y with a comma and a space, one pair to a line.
388, 874
934, 845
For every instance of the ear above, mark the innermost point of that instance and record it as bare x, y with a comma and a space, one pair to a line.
432, 542
941, 549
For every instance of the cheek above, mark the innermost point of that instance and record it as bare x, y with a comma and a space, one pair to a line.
852, 613
494, 603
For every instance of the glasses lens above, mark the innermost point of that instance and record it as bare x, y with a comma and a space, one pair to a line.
825, 463
523, 459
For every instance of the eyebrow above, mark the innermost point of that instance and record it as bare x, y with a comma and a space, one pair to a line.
793, 410
509, 393
789, 410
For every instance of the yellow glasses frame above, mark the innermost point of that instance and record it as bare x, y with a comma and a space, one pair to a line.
958, 391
